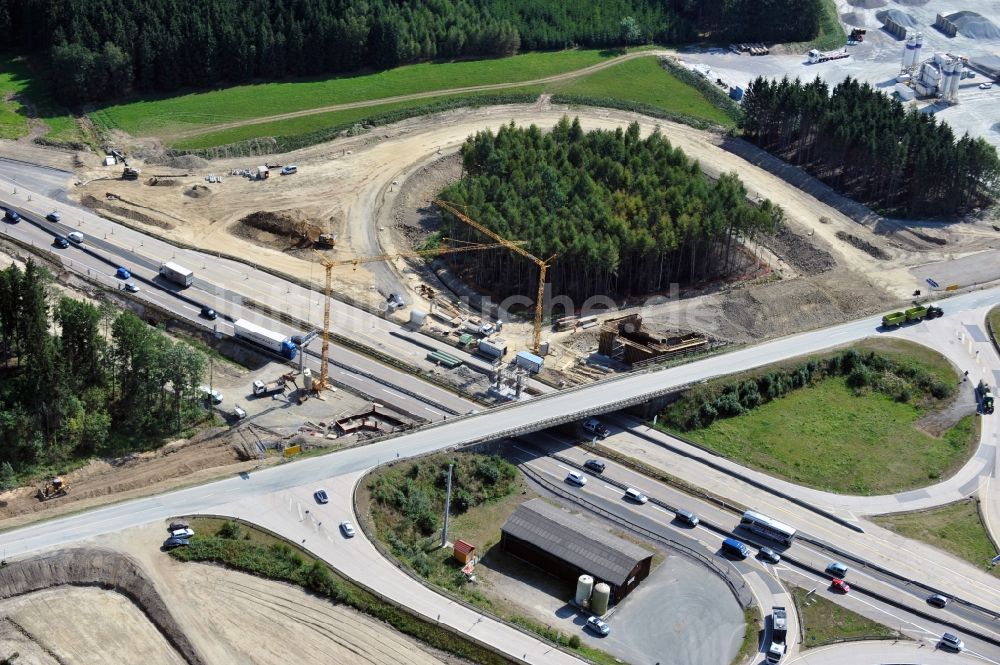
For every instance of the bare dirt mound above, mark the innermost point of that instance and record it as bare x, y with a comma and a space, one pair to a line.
801, 252
282, 229
188, 162
791, 306
900, 17
868, 4
198, 192
157, 181
98, 568
122, 212
864, 246
857, 19
974, 25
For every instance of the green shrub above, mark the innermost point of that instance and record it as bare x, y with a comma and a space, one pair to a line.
230, 530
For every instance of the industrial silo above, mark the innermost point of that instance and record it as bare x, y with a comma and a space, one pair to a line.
599, 601
916, 49
584, 586
908, 51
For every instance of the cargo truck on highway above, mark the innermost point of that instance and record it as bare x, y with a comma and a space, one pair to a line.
177, 274
270, 340
779, 634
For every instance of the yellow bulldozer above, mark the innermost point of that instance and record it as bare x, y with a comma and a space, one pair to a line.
54, 488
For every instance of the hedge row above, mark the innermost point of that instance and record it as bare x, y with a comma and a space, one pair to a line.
700, 407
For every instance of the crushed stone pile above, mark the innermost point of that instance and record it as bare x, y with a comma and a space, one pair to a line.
974, 25
899, 16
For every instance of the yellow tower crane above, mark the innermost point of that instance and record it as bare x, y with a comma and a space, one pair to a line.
514, 246
320, 384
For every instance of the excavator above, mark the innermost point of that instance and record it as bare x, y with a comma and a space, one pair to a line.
54, 488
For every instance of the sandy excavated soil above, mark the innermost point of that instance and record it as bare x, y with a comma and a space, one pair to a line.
234, 618
374, 187
73, 625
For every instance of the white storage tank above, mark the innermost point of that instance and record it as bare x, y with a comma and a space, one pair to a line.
543, 347
584, 586
307, 379
600, 600
418, 317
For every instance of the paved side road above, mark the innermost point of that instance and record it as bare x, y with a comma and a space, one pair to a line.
293, 514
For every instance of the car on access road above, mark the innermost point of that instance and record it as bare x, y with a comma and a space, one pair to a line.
347, 529
952, 641
598, 626
290, 169
576, 478
321, 497
985, 86
595, 465
209, 394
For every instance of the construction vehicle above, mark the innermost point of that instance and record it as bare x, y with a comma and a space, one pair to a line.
54, 488
918, 313
816, 56
857, 35
130, 173
986, 396
261, 388
779, 633
933, 312
894, 319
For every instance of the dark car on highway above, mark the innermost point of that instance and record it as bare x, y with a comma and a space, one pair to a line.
208, 313
12, 216
595, 465
53, 216
60, 242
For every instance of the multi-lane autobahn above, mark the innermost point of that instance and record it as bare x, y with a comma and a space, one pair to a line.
230, 284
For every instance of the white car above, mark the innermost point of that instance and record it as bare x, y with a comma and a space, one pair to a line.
208, 393
986, 86
598, 626
75, 236
632, 494
290, 169
347, 529
182, 533
576, 478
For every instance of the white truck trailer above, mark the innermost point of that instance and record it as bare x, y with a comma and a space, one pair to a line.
177, 273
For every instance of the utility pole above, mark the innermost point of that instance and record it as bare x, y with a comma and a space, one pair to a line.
447, 508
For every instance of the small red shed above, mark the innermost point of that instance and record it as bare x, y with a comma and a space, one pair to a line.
464, 552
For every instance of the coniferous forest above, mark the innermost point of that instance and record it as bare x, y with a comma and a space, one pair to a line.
626, 215
99, 49
868, 146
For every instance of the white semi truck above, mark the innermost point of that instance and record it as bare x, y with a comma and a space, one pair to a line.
177, 274
270, 340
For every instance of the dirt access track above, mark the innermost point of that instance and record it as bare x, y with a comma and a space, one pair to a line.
356, 180
215, 615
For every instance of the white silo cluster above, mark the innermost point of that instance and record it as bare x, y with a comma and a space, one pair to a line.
911, 52
939, 77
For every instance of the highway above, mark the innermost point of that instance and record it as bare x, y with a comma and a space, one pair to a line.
273, 487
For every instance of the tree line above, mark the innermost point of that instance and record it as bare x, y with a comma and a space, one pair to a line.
78, 379
625, 215
863, 372
100, 50
868, 146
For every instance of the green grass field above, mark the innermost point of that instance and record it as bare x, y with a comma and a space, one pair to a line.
825, 622
310, 123
828, 438
16, 79
644, 81
203, 109
956, 528
641, 80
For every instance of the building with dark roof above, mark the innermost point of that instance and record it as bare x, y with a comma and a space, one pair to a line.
568, 546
